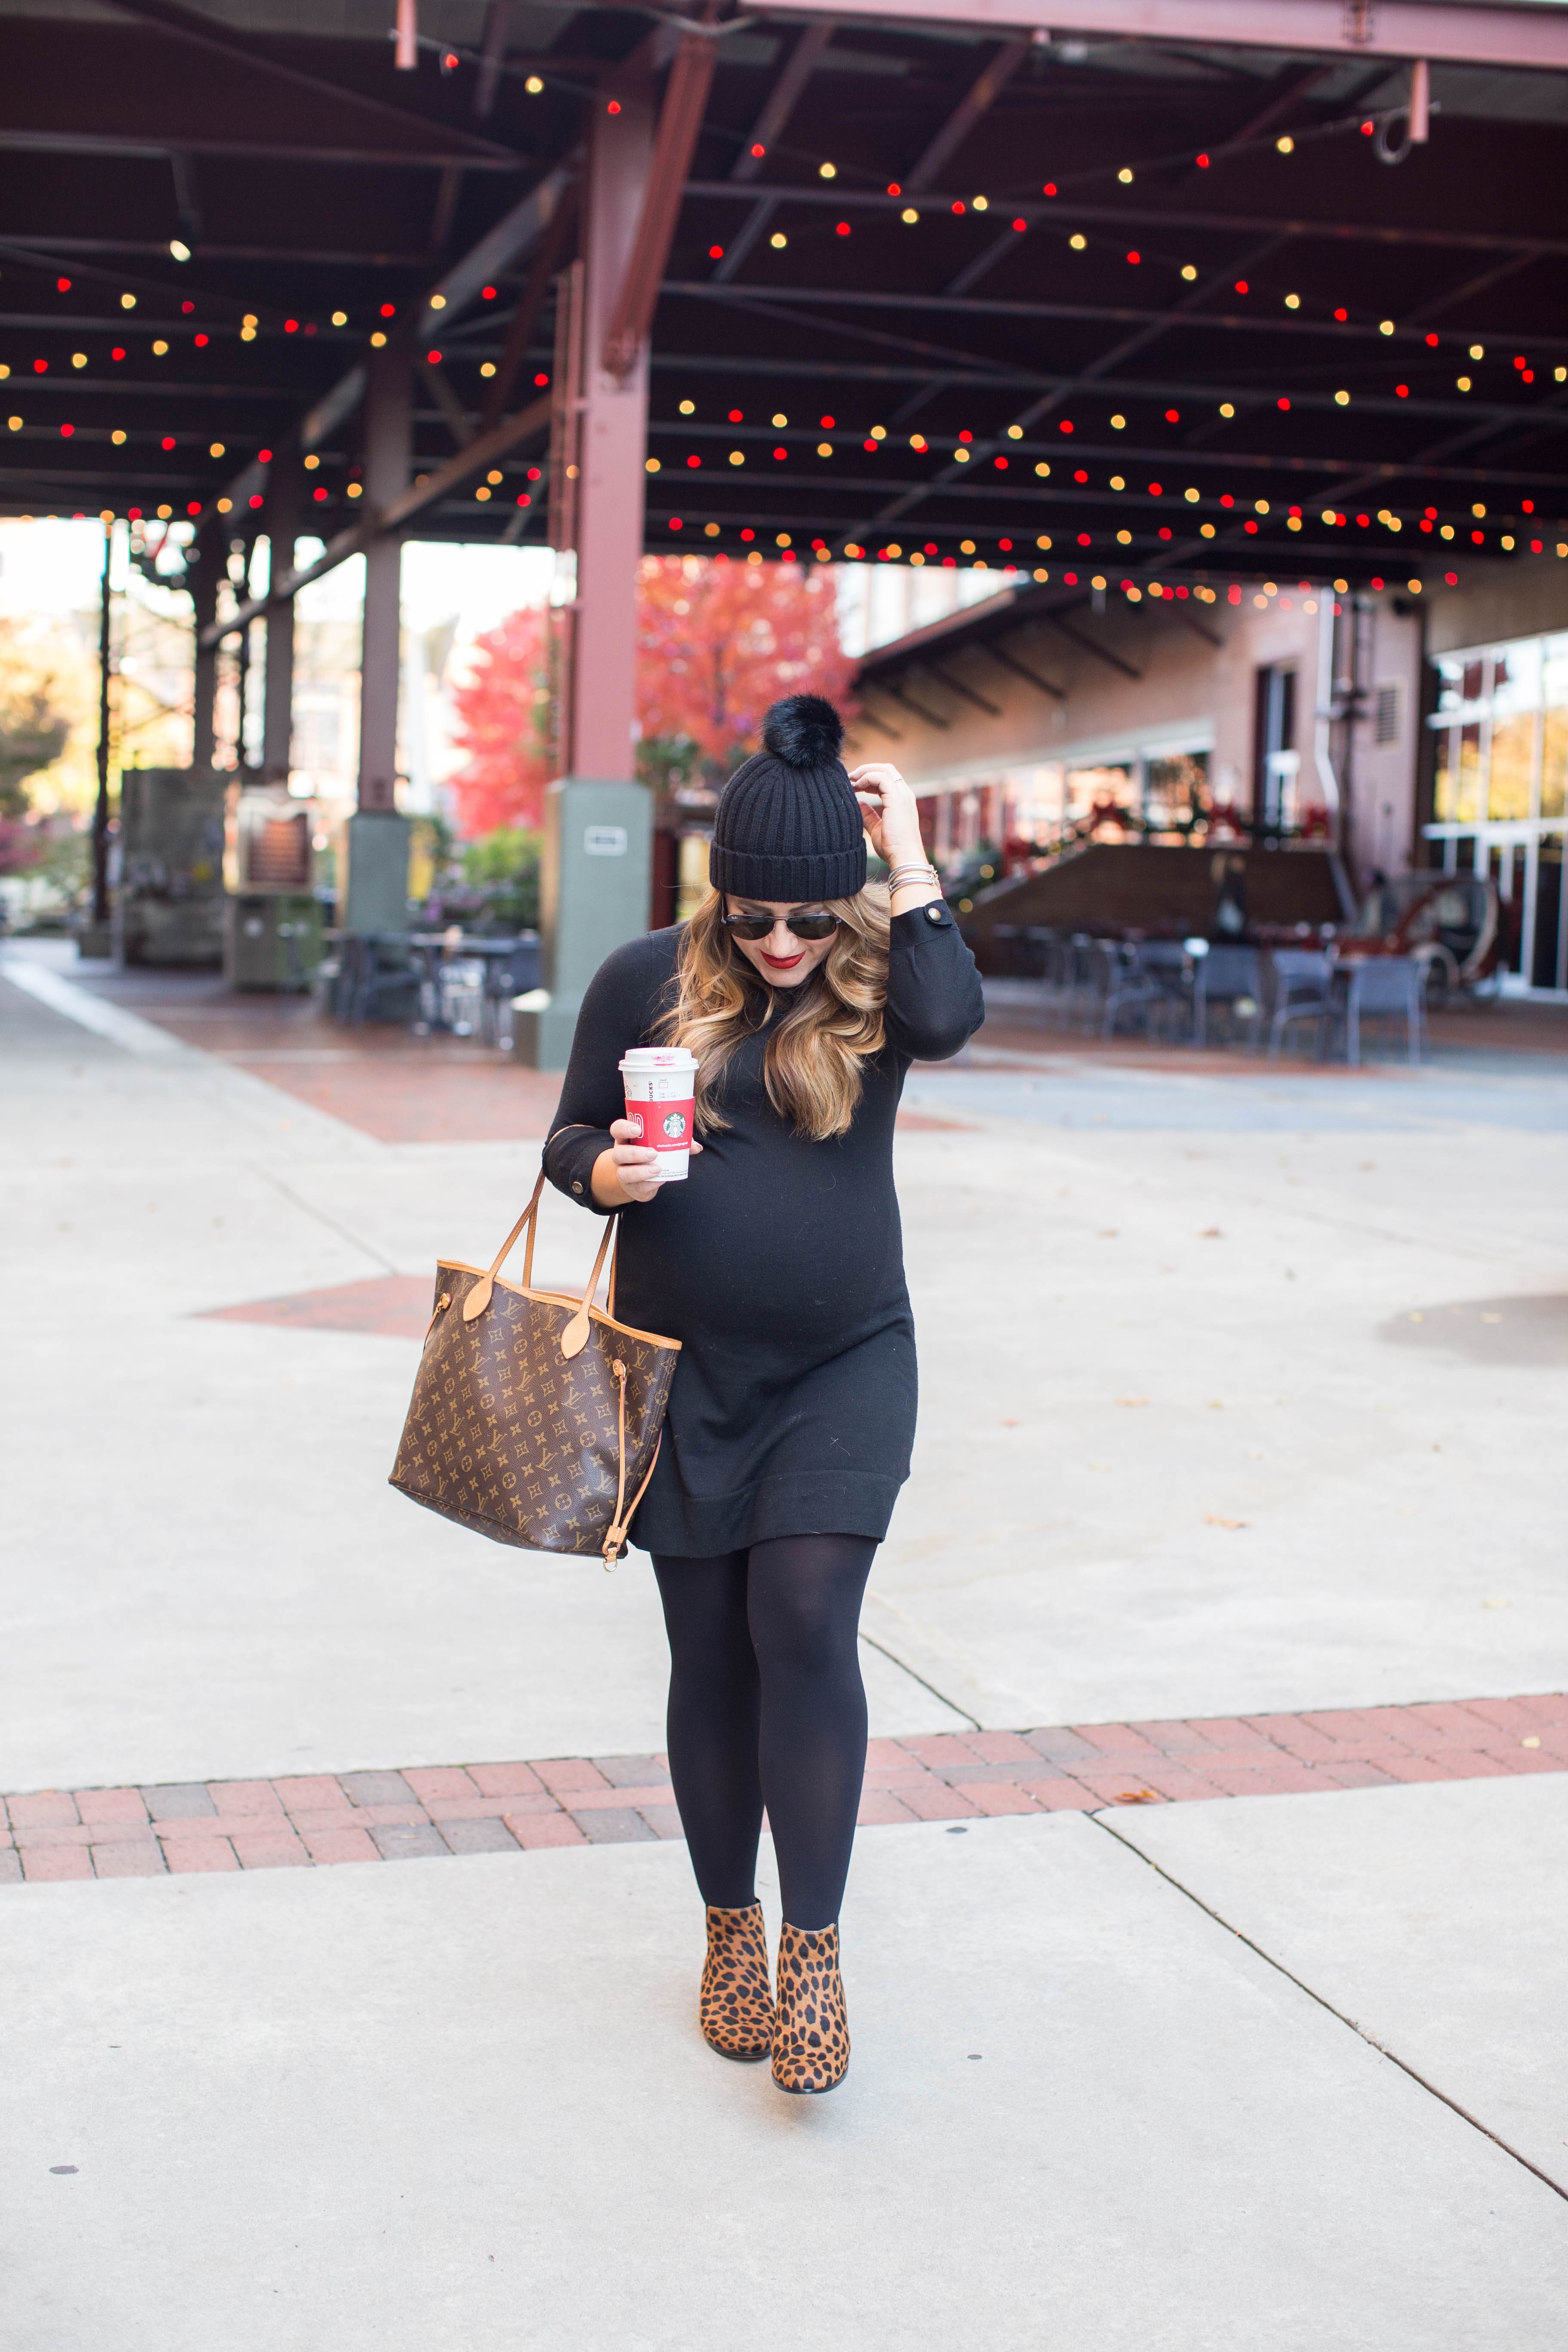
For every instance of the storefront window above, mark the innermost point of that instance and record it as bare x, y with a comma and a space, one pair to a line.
1467, 796
1516, 697
1099, 796
1554, 728
1177, 793
1512, 766
1499, 799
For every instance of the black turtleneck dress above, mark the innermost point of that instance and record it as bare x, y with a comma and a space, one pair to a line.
778, 1263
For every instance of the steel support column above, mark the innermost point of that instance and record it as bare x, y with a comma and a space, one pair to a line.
612, 444
95, 940
284, 496
388, 444
210, 550
597, 867
376, 896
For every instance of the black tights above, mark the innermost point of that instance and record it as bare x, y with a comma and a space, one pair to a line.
766, 1705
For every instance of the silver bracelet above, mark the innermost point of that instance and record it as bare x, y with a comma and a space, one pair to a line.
899, 874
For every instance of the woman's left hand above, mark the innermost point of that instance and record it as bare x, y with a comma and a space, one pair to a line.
890, 813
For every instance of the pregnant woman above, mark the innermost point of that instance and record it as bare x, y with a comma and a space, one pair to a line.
778, 1265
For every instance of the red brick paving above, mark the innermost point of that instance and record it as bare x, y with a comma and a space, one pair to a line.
300, 1819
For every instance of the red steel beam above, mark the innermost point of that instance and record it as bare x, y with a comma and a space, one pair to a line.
1477, 34
680, 119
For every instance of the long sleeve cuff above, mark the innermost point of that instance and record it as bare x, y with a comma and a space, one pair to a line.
569, 1157
935, 1003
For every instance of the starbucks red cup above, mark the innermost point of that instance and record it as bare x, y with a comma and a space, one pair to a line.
661, 1086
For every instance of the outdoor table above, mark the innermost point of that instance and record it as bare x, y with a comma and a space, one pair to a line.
427, 951
430, 950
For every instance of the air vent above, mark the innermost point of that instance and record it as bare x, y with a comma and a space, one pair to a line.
1385, 713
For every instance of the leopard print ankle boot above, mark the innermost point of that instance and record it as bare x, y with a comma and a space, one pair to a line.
811, 2035
735, 2007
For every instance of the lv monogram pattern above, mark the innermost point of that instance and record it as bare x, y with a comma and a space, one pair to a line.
508, 1437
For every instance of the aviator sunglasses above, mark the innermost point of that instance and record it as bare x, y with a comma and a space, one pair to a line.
757, 927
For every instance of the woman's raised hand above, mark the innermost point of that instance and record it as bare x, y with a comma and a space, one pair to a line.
626, 1173
889, 811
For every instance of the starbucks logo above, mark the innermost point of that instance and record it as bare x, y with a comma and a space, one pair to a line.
675, 1125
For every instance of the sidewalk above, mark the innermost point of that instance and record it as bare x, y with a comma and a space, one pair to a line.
1241, 1400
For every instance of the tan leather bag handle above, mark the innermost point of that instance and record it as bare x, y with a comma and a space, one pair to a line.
575, 1339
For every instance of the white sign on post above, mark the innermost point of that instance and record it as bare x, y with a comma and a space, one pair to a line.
606, 841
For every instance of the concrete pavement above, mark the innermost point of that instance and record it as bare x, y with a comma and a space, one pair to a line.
1183, 1450
408, 2110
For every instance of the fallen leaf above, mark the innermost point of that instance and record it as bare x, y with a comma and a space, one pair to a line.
1211, 1233
1532, 1741
1216, 1404
1012, 1424
1213, 1519
1137, 1796
1131, 1399
1107, 1234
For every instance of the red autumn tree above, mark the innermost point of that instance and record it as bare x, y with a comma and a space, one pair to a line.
503, 725
718, 641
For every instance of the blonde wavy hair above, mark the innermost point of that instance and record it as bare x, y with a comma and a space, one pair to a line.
830, 1027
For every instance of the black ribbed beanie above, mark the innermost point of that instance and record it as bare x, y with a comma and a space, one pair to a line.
788, 826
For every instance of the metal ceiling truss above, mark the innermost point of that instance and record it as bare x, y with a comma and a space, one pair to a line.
825, 154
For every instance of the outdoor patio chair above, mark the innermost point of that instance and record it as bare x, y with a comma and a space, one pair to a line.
1149, 980
1382, 988
460, 989
506, 977
1054, 952
381, 973
1230, 976
1096, 964
332, 982
1086, 973
1303, 991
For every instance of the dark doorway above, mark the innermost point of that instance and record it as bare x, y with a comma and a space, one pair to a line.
1275, 756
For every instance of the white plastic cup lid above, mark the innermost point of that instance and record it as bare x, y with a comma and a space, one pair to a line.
657, 1058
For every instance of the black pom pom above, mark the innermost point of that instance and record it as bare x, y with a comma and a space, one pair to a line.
804, 731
